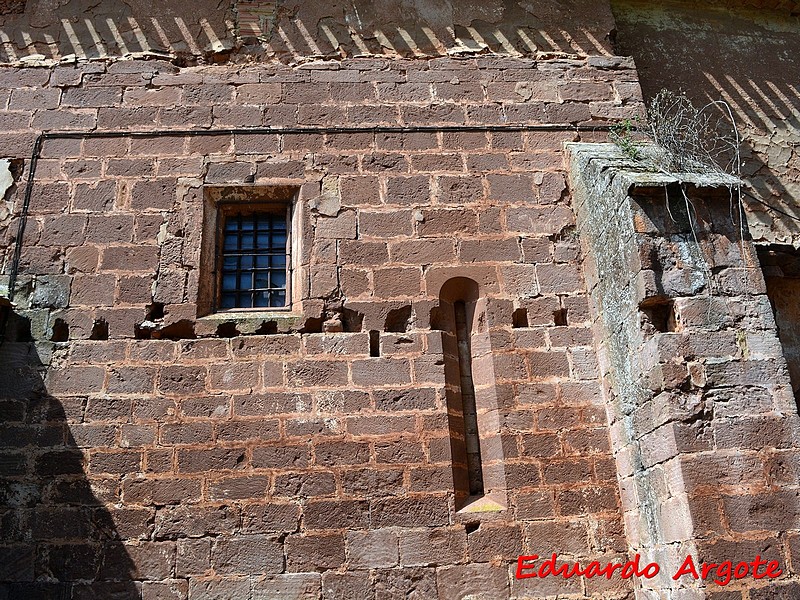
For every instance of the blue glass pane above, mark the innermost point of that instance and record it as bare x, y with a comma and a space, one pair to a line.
245, 281
247, 261
279, 240
278, 279
244, 300
262, 241
262, 262
261, 279
278, 262
261, 299
229, 281
247, 241
229, 264
278, 298
228, 300
230, 242
247, 224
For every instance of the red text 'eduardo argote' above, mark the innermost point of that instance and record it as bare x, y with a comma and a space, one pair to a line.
721, 573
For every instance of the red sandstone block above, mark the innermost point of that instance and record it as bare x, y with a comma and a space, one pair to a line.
559, 279
384, 163
316, 373
421, 547
385, 224
115, 462
407, 141
185, 117
272, 403
303, 485
137, 435
381, 371
361, 190
195, 432
336, 453
397, 282
270, 517
535, 505
49, 197
539, 219
431, 479
238, 487
495, 543
247, 555
336, 514
436, 222
164, 96
234, 376
281, 457
93, 290
371, 549
416, 511
363, 253
587, 441
131, 167
112, 229
235, 431
65, 119
314, 552
380, 425
134, 290
422, 252
130, 380
216, 459
432, 113
542, 445
548, 364
587, 500
95, 197
414, 190
155, 193
567, 471
137, 490
181, 380
75, 380
63, 230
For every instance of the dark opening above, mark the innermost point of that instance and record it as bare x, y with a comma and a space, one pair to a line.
519, 318
374, 343
99, 330
267, 328
227, 330
659, 316
398, 320
456, 318
470, 413
560, 317
155, 312
60, 331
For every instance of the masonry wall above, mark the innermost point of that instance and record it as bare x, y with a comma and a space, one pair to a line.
742, 53
202, 458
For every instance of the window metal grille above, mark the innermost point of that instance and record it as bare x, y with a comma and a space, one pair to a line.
254, 259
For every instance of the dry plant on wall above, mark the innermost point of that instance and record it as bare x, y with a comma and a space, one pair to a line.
685, 139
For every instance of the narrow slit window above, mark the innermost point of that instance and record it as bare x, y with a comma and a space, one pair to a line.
254, 259
472, 439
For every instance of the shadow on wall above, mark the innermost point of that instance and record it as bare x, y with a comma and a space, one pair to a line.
58, 539
295, 31
747, 58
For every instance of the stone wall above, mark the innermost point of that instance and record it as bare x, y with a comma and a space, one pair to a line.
293, 455
742, 53
703, 418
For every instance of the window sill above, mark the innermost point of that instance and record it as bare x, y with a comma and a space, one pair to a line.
249, 322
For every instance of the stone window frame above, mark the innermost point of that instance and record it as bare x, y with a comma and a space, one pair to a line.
219, 200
